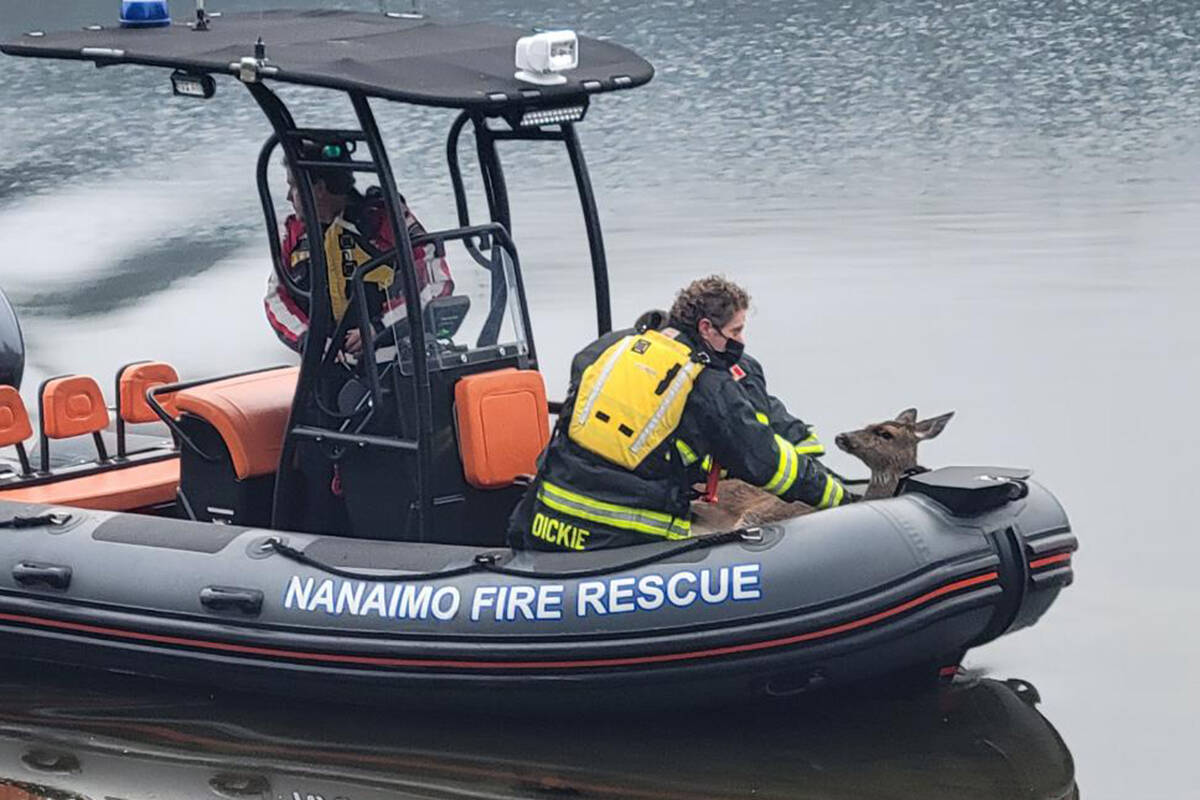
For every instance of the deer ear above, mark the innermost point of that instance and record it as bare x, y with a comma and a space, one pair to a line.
908, 416
929, 428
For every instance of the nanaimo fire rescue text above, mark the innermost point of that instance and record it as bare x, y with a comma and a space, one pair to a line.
512, 602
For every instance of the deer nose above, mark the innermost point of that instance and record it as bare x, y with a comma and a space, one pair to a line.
841, 441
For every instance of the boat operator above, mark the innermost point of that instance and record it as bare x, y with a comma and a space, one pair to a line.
652, 411
355, 230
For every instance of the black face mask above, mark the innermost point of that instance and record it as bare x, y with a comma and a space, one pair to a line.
727, 357
733, 351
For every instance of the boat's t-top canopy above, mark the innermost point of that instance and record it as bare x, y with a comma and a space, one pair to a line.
406, 57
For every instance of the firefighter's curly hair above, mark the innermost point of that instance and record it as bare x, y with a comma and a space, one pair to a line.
715, 298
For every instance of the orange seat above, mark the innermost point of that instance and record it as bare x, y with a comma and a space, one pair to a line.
14, 419
135, 381
125, 489
72, 406
250, 412
503, 425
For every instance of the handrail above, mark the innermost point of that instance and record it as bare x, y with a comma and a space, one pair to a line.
329, 135
320, 435
264, 194
352, 166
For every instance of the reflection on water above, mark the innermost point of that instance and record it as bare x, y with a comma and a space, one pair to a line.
982, 738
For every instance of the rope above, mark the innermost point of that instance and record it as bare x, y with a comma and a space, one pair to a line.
300, 557
488, 562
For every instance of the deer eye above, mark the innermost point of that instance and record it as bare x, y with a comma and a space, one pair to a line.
883, 433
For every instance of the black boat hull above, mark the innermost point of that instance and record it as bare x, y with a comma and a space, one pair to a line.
894, 587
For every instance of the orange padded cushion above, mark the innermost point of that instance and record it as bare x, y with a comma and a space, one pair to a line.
14, 419
138, 379
72, 406
250, 412
126, 489
503, 425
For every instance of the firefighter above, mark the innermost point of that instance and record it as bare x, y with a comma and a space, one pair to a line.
647, 410
768, 408
355, 230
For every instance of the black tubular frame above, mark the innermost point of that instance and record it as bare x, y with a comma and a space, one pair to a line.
497, 193
317, 423
320, 313
272, 222
423, 395
321, 325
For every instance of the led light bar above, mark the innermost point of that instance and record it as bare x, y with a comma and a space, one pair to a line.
551, 116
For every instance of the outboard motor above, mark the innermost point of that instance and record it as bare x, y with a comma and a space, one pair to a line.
12, 345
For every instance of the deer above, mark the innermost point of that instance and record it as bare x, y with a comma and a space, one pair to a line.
888, 448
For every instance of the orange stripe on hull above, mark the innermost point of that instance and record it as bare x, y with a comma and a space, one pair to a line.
1048, 560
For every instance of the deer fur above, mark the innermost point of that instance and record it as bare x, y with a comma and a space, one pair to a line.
888, 448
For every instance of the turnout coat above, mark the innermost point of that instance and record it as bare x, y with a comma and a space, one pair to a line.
582, 501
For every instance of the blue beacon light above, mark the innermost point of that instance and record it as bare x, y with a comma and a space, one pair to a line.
145, 14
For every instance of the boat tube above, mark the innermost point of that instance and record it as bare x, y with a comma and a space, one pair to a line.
845, 595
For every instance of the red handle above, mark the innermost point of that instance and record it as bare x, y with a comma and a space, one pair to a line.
710, 488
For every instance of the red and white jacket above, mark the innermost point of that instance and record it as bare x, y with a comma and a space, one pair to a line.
365, 218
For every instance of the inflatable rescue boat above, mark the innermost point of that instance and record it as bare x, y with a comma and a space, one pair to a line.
181, 536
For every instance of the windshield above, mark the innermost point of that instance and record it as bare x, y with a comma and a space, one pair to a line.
476, 317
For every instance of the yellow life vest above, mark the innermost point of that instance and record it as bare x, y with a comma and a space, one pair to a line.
343, 254
632, 397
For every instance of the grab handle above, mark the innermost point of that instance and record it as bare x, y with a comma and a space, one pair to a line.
235, 786
224, 598
51, 762
27, 573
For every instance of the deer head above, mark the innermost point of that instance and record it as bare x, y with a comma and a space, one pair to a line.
889, 448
